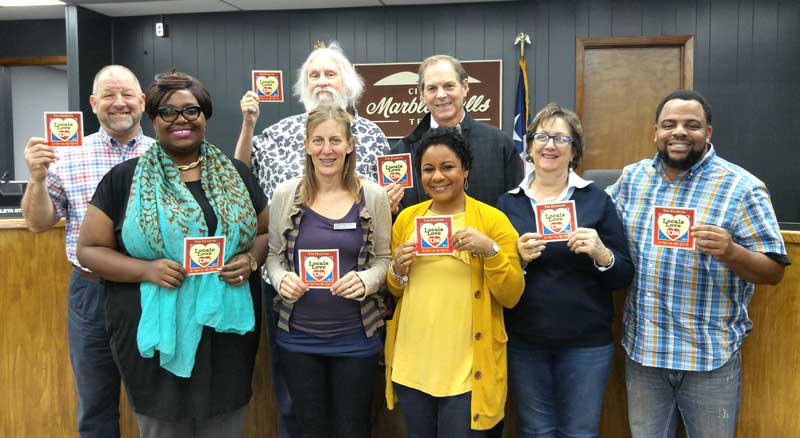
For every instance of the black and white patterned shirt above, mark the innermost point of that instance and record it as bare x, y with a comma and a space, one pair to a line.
279, 155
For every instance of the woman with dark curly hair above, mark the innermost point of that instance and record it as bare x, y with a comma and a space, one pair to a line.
446, 344
185, 344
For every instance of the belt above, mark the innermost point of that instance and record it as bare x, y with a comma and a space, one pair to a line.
87, 274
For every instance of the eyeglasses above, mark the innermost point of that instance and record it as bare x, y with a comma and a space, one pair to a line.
541, 139
169, 114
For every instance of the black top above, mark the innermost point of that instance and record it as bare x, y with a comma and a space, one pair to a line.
567, 301
224, 362
496, 165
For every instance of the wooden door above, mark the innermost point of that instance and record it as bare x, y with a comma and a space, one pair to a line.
619, 82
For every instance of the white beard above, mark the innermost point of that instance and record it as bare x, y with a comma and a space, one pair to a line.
316, 99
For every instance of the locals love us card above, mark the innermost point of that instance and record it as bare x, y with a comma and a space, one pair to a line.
319, 268
434, 235
64, 129
268, 85
671, 227
202, 255
395, 169
556, 221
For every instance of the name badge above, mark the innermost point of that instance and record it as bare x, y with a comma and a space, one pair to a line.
345, 226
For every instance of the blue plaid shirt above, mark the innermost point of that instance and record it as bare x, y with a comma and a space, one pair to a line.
686, 310
73, 178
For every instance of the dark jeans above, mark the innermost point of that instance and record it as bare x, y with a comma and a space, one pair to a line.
559, 390
436, 417
96, 376
287, 425
331, 396
227, 425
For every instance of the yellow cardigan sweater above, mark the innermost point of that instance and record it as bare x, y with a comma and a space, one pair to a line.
497, 282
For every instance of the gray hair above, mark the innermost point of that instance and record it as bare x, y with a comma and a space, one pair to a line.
435, 59
114, 68
352, 82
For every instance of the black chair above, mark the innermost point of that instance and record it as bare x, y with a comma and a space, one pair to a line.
602, 177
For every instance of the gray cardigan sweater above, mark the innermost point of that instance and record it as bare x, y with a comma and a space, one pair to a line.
375, 218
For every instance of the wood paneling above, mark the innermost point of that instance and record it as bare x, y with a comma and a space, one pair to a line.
37, 392
37, 397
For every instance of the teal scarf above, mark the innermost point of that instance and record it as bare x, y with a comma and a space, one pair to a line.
161, 212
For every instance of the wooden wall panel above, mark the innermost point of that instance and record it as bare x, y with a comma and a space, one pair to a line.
37, 397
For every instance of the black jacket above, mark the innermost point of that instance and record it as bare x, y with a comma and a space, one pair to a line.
496, 166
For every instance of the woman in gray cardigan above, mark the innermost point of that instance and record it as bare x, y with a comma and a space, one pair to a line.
328, 255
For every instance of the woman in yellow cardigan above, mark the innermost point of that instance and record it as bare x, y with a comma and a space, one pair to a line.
446, 345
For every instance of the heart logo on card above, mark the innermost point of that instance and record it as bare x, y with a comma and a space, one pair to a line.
434, 234
556, 220
267, 84
204, 255
64, 129
319, 267
394, 170
674, 227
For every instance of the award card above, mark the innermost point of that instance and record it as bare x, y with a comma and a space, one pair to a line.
434, 235
268, 85
64, 129
672, 227
395, 169
556, 221
202, 255
319, 268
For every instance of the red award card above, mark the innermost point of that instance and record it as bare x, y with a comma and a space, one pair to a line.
672, 227
319, 268
268, 85
556, 221
395, 169
64, 129
202, 255
434, 235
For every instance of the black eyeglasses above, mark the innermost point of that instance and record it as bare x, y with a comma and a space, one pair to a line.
169, 114
541, 139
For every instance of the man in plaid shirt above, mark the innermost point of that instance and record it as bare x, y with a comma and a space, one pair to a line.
61, 184
686, 311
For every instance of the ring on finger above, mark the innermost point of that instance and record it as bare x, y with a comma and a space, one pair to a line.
241, 278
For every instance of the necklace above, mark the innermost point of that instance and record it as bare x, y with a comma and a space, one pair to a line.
191, 166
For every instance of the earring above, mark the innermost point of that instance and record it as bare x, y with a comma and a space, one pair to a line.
529, 159
466, 183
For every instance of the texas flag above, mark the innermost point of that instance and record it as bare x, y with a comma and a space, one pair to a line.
521, 109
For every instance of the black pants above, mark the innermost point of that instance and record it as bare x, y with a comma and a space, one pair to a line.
331, 396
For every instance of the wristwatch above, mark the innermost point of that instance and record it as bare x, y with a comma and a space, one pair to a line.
253, 262
495, 249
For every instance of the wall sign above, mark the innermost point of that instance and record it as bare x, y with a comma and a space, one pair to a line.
392, 100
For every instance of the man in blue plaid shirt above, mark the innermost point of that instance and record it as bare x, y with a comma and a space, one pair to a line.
61, 183
686, 311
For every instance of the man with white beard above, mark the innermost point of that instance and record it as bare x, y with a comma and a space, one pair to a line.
277, 154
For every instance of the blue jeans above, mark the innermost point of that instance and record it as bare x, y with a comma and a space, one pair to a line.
436, 417
559, 391
287, 424
708, 401
97, 380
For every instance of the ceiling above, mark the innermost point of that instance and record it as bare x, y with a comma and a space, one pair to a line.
127, 8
